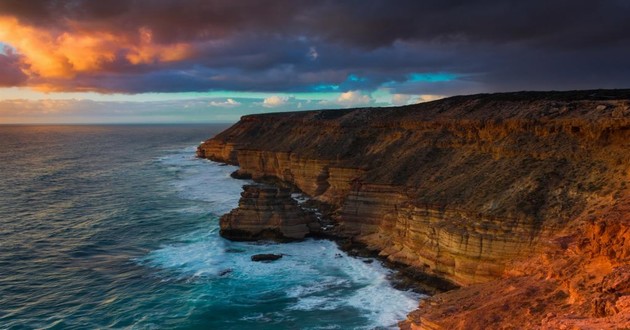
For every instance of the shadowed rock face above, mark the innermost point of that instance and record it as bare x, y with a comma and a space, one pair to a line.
472, 189
266, 212
266, 257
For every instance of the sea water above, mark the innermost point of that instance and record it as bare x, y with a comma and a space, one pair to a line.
117, 227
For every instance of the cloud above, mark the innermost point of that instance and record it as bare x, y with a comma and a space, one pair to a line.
184, 110
279, 46
50, 54
87, 111
10, 69
400, 99
274, 101
228, 103
563, 23
496, 21
353, 99
428, 98
312, 53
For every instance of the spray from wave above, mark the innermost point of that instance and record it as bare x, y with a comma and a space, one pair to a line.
315, 285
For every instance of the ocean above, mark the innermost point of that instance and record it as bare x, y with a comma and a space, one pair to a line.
116, 227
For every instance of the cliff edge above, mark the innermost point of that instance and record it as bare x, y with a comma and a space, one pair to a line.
521, 197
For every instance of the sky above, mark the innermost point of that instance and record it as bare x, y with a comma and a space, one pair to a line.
163, 61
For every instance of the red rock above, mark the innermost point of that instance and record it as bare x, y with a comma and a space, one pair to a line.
480, 190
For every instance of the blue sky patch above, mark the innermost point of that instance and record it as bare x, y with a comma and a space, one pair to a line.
355, 78
431, 77
325, 88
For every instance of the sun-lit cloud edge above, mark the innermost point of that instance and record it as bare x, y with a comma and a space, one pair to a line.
64, 54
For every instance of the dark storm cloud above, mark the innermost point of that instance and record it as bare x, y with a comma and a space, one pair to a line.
550, 23
356, 22
286, 68
293, 45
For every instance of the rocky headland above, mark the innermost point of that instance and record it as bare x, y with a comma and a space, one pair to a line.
521, 199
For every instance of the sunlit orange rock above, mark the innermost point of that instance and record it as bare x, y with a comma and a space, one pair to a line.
521, 198
266, 212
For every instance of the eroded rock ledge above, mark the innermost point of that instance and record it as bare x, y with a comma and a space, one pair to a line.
479, 190
266, 212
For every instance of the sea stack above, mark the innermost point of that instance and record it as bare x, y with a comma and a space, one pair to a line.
266, 212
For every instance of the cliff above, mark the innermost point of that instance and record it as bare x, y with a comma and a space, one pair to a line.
475, 189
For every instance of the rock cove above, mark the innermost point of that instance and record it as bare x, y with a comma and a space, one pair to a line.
520, 198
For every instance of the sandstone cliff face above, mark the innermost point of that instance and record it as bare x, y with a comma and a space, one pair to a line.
266, 212
581, 280
459, 188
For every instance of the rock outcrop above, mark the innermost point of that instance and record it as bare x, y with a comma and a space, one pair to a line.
474, 189
266, 257
266, 212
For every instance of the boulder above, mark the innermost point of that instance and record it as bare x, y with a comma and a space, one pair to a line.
266, 257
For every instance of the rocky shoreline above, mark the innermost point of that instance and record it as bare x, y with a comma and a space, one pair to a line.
519, 198
269, 212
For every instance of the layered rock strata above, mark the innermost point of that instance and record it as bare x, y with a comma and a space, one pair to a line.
266, 212
472, 189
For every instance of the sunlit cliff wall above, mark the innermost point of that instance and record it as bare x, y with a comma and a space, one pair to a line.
458, 188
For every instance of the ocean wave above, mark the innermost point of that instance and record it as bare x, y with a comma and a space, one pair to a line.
313, 277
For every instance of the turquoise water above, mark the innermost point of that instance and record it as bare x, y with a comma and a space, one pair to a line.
117, 227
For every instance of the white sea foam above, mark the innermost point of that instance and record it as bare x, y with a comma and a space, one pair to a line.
198, 255
255, 317
321, 284
203, 180
314, 275
300, 198
384, 305
317, 303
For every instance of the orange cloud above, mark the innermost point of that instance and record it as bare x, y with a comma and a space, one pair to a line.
62, 55
148, 52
